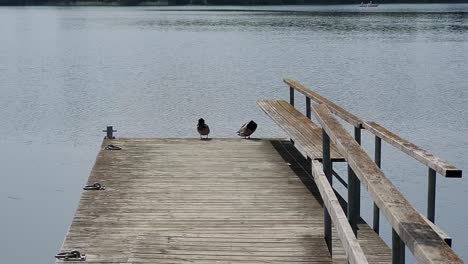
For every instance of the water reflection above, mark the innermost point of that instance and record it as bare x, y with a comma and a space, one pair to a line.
400, 24
66, 73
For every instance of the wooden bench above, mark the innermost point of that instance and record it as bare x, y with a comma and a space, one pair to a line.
300, 128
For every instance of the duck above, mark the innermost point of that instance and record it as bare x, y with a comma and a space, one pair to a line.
247, 129
202, 128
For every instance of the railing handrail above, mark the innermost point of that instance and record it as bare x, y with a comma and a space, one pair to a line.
441, 166
353, 250
414, 231
336, 109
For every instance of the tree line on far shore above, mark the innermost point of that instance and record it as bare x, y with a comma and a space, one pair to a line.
209, 2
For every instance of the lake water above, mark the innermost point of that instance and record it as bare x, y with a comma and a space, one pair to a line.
67, 72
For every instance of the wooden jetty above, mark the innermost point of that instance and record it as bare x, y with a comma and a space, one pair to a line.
254, 201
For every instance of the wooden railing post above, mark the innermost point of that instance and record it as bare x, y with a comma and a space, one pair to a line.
327, 169
308, 113
378, 161
291, 96
398, 249
291, 101
354, 191
431, 193
357, 135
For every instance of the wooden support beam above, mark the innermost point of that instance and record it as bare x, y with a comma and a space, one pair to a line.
327, 169
291, 96
414, 231
308, 114
378, 162
441, 166
351, 245
431, 194
354, 199
354, 191
398, 249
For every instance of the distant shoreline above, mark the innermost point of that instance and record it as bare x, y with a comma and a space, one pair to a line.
212, 2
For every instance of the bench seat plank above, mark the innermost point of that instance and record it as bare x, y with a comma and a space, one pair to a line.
300, 128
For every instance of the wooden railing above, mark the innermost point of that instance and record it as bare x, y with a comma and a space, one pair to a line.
334, 108
334, 212
401, 232
442, 167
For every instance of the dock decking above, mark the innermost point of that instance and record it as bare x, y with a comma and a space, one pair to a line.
205, 201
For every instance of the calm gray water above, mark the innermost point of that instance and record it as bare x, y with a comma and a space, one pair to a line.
66, 73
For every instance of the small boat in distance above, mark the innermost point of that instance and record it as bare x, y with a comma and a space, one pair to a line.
370, 4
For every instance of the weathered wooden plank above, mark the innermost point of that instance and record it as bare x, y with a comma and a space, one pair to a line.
350, 243
192, 201
301, 129
419, 237
152, 187
334, 108
441, 233
441, 166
